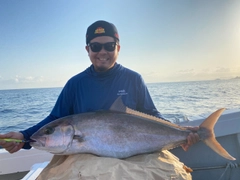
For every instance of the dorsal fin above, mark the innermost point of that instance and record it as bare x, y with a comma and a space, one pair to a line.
118, 106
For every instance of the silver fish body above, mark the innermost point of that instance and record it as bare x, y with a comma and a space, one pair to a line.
114, 134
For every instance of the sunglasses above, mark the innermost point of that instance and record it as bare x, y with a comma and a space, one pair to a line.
97, 47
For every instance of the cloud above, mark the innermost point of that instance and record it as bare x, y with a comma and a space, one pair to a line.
222, 70
19, 82
151, 74
191, 74
216, 71
28, 79
187, 72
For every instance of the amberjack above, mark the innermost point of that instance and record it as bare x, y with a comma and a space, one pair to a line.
119, 132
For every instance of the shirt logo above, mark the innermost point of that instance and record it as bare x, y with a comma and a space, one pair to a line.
122, 92
99, 30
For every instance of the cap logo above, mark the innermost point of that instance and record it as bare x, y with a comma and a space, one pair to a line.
99, 30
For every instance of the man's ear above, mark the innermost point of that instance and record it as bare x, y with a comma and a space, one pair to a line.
118, 48
87, 48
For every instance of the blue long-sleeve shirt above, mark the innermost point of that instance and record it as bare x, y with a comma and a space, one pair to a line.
90, 91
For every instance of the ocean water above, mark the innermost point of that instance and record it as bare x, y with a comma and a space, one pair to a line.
189, 100
178, 101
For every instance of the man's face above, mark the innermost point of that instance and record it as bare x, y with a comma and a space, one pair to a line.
104, 59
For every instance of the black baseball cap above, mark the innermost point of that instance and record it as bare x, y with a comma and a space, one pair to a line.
101, 28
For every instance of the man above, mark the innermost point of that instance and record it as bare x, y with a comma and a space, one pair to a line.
98, 86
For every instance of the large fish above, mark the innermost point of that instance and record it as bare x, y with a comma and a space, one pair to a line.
120, 132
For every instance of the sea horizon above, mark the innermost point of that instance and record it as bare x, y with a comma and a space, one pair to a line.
217, 79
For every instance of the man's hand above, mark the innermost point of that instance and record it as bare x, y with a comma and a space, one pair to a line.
11, 147
192, 138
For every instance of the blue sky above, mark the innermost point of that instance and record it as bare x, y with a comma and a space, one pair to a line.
42, 42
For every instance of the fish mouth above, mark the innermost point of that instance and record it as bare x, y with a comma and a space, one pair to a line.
37, 141
31, 140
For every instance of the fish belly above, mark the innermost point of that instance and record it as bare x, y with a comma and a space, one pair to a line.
121, 135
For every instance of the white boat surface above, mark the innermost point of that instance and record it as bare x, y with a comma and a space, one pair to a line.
15, 166
206, 164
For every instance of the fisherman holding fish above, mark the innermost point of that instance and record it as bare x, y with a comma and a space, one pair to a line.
97, 87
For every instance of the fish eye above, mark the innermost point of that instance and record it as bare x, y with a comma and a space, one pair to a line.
49, 130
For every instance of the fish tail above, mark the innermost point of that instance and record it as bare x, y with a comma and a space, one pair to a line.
211, 141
